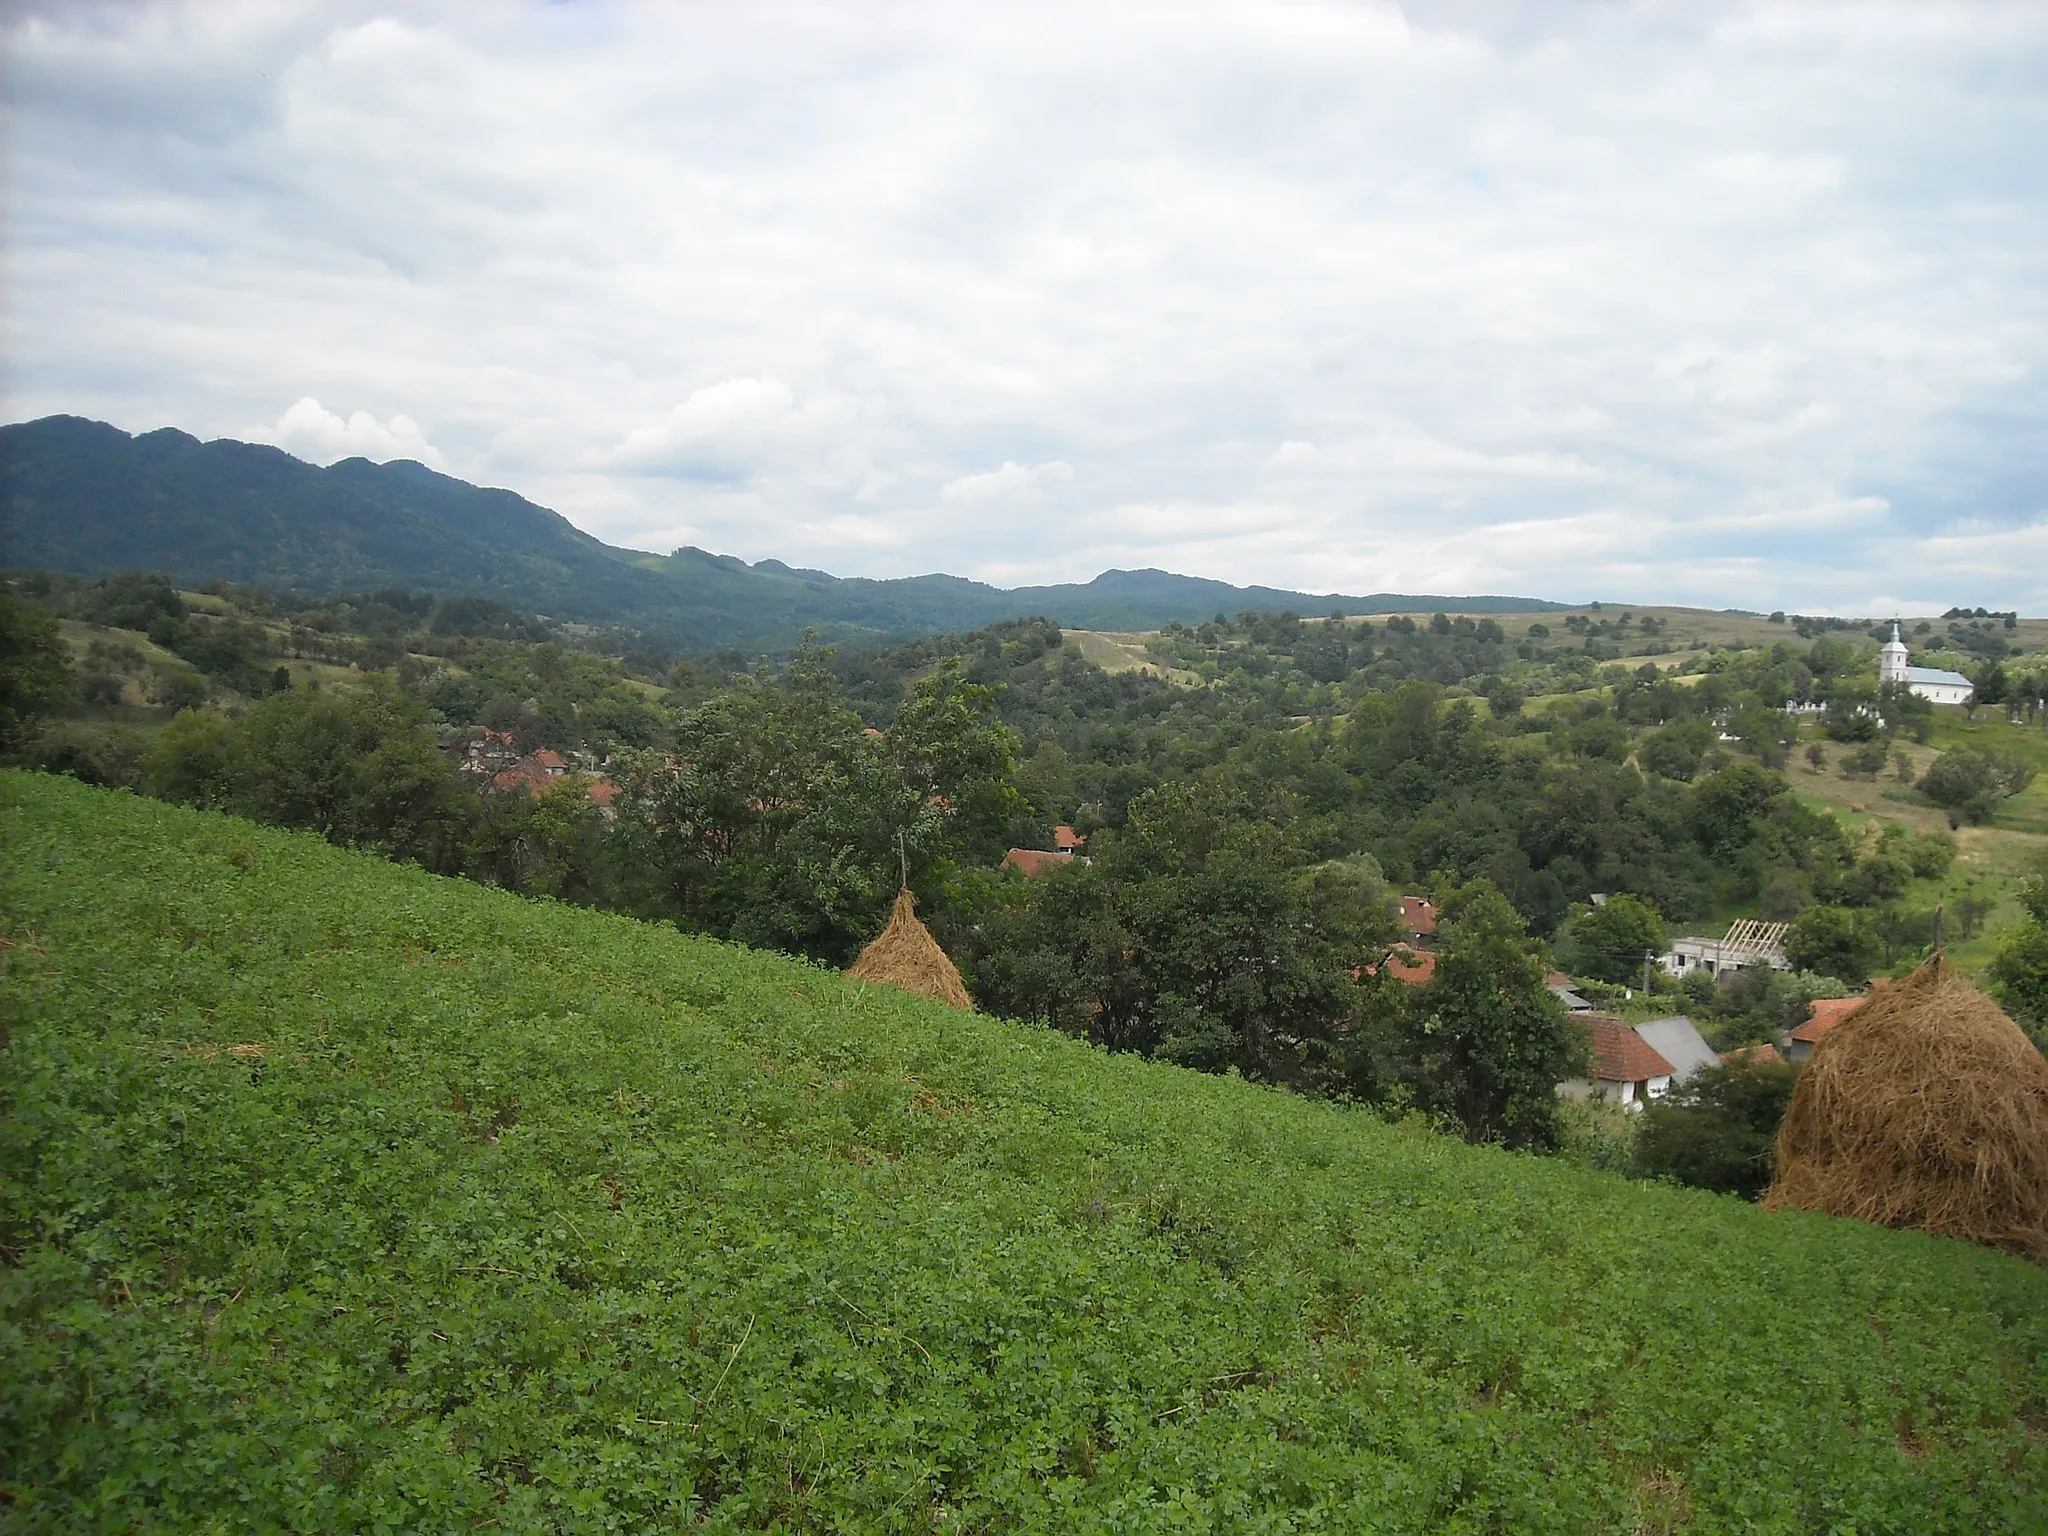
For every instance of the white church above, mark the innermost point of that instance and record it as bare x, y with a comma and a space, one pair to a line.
1931, 683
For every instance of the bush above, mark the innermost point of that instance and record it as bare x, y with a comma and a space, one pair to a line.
1720, 1132
1968, 782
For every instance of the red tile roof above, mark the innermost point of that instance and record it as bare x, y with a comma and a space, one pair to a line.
1620, 1055
1416, 967
602, 791
550, 759
1823, 1014
1064, 836
1765, 1055
1418, 915
1033, 862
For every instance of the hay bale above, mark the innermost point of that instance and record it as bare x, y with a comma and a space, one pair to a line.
907, 956
1926, 1107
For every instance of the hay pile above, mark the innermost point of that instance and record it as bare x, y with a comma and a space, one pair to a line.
1926, 1108
907, 956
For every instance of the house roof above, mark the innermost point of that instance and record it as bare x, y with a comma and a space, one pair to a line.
1823, 1014
1064, 836
1418, 915
1678, 1042
1416, 967
1033, 862
1765, 1055
1620, 1055
602, 791
548, 757
1574, 1000
1937, 675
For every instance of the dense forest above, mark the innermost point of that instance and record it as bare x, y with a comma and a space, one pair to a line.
1251, 800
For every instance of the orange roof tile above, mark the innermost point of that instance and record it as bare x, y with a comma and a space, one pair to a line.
1416, 968
1765, 1055
1064, 836
1823, 1014
1620, 1055
548, 757
1033, 862
602, 791
1418, 915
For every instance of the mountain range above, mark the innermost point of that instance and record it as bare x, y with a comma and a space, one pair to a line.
87, 498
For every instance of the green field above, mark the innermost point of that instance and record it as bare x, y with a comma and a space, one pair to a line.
338, 1197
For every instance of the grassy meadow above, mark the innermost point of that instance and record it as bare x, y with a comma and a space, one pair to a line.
341, 1197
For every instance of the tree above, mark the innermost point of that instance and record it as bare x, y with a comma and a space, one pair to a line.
1832, 941
2019, 972
35, 670
1816, 757
1490, 1043
1608, 942
1968, 782
1720, 1131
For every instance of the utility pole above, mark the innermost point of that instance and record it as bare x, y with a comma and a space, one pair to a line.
1648, 956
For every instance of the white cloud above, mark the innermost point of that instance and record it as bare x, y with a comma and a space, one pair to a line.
723, 431
1012, 483
1740, 304
311, 431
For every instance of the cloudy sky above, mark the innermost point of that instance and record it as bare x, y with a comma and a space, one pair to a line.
1739, 305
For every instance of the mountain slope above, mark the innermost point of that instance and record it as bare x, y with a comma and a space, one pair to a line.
339, 1197
85, 497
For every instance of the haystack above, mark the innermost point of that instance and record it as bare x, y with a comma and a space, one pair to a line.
907, 956
1926, 1107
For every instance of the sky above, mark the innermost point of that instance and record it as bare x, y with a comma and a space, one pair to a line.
1719, 304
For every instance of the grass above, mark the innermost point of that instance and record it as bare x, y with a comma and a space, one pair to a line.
339, 1197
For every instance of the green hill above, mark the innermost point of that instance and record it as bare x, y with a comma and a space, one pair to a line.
86, 498
340, 1197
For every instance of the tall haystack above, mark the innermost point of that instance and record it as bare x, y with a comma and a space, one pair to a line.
907, 956
1926, 1107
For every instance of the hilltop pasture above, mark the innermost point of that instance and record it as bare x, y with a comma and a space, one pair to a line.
338, 1197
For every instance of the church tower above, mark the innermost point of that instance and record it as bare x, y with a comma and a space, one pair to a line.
1891, 658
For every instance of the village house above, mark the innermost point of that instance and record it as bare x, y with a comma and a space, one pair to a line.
1561, 988
1627, 1070
1034, 862
1822, 1015
1417, 924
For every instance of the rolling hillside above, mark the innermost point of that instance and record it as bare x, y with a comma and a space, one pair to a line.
86, 498
336, 1196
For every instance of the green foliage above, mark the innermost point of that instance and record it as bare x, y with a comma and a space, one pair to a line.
1608, 942
1969, 782
35, 670
533, 1219
2019, 973
358, 769
1720, 1131
1491, 1043
1832, 941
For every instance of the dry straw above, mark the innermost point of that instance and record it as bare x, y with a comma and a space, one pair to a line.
907, 956
1926, 1107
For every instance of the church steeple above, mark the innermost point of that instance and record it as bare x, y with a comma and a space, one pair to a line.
1891, 658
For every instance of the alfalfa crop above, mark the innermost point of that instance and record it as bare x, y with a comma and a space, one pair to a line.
1926, 1107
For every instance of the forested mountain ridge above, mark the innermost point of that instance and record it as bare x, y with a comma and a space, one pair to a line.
87, 498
